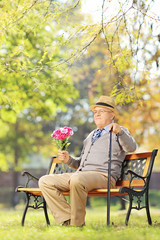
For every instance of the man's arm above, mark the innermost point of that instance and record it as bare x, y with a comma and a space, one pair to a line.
66, 158
73, 162
125, 139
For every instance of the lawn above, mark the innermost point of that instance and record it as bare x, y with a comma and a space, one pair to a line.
35, 226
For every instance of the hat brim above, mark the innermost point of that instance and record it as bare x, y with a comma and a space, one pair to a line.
92, 107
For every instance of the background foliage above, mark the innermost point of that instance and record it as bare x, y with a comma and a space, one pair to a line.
55, 61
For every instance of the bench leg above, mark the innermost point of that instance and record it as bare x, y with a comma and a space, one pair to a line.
45, 212
25, 210
129, 209
147, 209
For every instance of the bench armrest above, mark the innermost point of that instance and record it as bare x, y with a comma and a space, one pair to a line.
134, 175
30, 177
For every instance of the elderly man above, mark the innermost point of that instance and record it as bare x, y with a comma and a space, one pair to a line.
92, 166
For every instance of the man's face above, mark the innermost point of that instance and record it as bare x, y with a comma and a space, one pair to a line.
103, 116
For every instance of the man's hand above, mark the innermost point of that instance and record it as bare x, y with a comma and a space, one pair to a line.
115, 128
63, 156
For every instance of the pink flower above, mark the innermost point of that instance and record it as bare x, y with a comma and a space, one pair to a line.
70, 131
64, 130
56, 133
61, 137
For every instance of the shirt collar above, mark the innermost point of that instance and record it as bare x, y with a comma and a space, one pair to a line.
106, 128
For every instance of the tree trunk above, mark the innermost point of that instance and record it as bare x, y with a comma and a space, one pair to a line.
15, 197
123, 204
88, 204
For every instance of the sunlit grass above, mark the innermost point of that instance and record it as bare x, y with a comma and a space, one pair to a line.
35, 226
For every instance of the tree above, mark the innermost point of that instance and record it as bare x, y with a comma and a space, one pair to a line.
133, 72
31, 88
38, 58
124, 70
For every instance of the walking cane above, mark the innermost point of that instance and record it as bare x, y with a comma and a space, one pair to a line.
109, 179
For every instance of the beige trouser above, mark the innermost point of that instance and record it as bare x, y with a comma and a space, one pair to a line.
79, 184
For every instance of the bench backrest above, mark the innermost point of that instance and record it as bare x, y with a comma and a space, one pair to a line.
140, 163
57, 167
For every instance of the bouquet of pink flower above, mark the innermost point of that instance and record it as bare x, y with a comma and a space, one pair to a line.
61, 136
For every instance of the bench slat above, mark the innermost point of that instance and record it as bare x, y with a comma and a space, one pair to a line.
34, 191
96, 193
135, 183
138, 155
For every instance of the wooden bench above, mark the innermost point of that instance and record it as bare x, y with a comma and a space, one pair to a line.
134, 183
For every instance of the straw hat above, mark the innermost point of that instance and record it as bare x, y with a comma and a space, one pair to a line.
105, 102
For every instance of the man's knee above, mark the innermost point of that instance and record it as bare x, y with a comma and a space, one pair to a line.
42, 181
48, 181
76, 180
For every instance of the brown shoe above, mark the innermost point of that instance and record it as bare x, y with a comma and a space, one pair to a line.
66, 223
83, 225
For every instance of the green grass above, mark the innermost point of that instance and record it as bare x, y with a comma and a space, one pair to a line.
35, 226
